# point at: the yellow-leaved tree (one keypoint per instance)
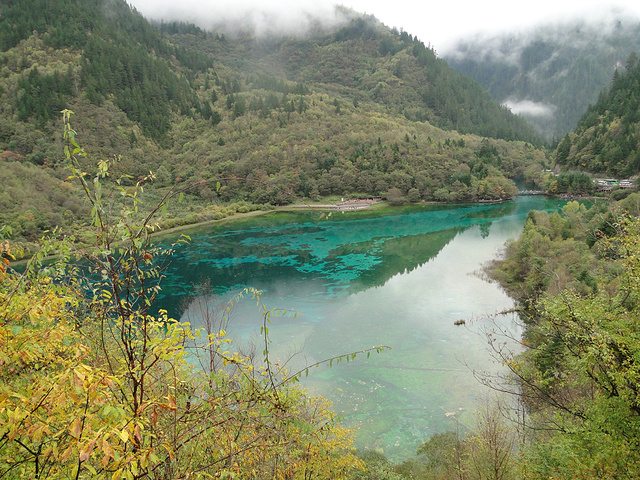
(95, 384)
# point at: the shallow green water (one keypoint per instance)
(360, 280)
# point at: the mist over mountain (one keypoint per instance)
(348, 110)
(552, 73)
(249, 17)
(606, 140)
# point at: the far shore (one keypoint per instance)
(230, 218)
(345, 206)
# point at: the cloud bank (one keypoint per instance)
(440, 24)
(257, 17)
(530, 108)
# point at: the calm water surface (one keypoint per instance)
(360, 280)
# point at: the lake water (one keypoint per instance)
(361, 279)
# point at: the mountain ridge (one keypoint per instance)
(358, 110)
(557, 69)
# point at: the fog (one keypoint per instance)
(440, 24)
(574, 33)
(530, 108)
(231, 17)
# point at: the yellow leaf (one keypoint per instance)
(75, 429)
(65, 455)
(169, 450)
(107, 448)
(154, 417)
(87, 451)
(124, 436)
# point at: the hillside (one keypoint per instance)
(551, 73)
(606, 140)
(354, 110)
(366, 61)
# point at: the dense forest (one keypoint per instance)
(606, 138)
(355, 110)
(549, 74)
(576, 276)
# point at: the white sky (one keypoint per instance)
(435, 22)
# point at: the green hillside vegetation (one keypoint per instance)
(364, 60)
(606, 138)
(96, 383)
(560, 67)
(576, 277)
(98, 388)
(355, 111)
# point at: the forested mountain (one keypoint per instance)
(550, 74)
(355, 109)
(606, 140)
(364, 60)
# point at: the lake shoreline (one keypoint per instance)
(231, 218)
(378, 205)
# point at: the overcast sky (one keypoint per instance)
(435, 22)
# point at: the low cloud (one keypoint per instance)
(530, 109)
(576, 31)
(257, 17)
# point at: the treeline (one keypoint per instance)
(43, 96)
(284, 161)
(606, 139)
(66, 22)
(279, 121)
(122, 56)
(145, 88)
(150, 78)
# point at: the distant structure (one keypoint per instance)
(530, 192)
(609, 184)
(357, 204)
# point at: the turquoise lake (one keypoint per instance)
(358, 280)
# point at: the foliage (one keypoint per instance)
(580, 374)
(190, 106)
(606, 138)
(573, 183)
(95, 384)
(487, 452)
(553, 253)
(577, 274)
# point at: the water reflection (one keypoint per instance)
(347, 253)
(359, 280)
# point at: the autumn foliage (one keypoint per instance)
(96, 384)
